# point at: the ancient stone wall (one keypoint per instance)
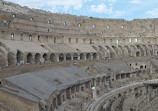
(27, 24)
(113, 52)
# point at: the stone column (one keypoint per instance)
(56, 58)
(94, 93)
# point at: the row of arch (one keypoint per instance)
(100, 81)
(127, 50)
(20, 58)
(105, 51)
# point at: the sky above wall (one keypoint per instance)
(124, 9)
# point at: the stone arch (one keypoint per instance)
(127, 49)
(124, 92)
(116, 50)
(94, 56)
(131, 109)
(135, 89)
(11, 59)
(146, 50)
(61, 57)
(37, 58)
(29, 58)
(150, 49)
(141, 67)
(101, 49)
(124, 52)
(137, 53)
(68, 57)
(119, 95)
(134, 50)
(141, 50)
(96, 48)
(115, 98)
(45, 56)
(88, 56)
(106, 52)
(82, 56)
(19, 57)
(75, 56)
(102, 52)
(112, 53)
(52, 57)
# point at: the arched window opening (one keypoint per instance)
(137, 54)
(141, 67)
(136, 40)
(135, 89)
(13, 15)
(107, 26)
(45, 56)
(30, 37)
(122, 26)
(31, 19)
(130, 40)
(88, 56)
(94, 56)
(64, 23)
(12, 36)
(68, 57)
(61, 57)
(82, 56)
(75, 56)
(29, 58)
(119, 95)
(37, 58)
(38, 38)
(117, 42)
(79, 25)
(19, 58)
(52, 58)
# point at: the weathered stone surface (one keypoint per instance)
(51, 62)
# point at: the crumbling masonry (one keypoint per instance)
(59, 62)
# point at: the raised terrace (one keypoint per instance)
(60, 62)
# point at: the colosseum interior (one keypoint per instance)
(61, 62)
